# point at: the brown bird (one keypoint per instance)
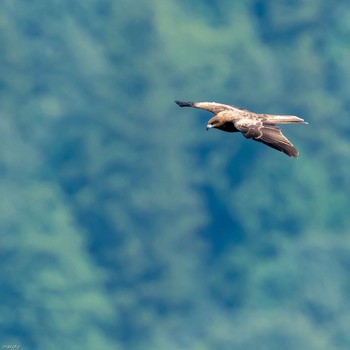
(259, 127)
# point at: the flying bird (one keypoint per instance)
(259, 127)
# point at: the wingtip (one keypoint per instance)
(184, 104)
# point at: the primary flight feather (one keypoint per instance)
(259, 127)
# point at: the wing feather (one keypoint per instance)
(212, 107)
(268, 134)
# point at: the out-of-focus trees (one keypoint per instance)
(124, 223)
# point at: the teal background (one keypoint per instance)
(124, 224)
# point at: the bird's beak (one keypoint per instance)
(209, 126)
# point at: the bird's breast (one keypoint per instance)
(228, 127)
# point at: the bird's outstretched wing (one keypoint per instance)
(268, 134)
(212, 107)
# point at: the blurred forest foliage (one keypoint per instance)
(124, 224)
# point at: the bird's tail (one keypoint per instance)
(285, 119)
(184, 104)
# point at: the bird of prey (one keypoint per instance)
(259, 127)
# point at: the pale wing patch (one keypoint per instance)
(215, 107)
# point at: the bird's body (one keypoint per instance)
(259, 127)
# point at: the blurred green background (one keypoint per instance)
(124, 224)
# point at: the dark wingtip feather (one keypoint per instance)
(184, 104)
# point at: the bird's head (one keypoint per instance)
(214, 122)
(221, 122)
